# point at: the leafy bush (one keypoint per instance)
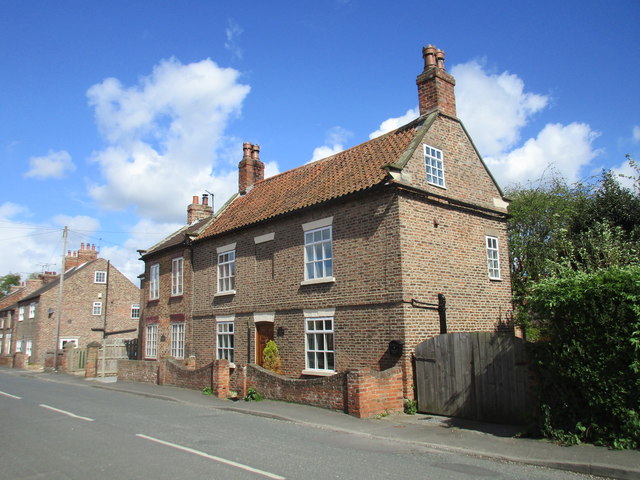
(252, 394)
(589, 365)
(207, 391)
(271, 357)
(410, 406)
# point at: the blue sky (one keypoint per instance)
(115, 113)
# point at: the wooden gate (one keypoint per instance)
(108, 356)
(76, 359)
(480, 376)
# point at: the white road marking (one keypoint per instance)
(66, 413)
(9, 395)
(213, 457)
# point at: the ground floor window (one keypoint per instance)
(28, 347)
(225, 340)
(151, 341)
(177, 340)
(8, 344)
(319, 343)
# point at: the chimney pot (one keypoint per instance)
(194, 200)
(205, 199)
(435, 85)
(82, 246)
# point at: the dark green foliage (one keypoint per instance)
(589, 366)
(7, 281)
(252, 394)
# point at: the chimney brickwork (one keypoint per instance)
(250, 168)
(435, 85)
(199, 211)
(86, 253)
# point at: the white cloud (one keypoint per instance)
(334, 143)
(564, 148)
(636, 133)
(165, 137)
(233, 31)
(627, 175)
(29, 248)
(52, 165)
(396, 122)
(494, 108)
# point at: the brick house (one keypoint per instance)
(9, 309)
(96, 298)
(344, 261)
(166, 294)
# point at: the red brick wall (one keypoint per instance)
(371, 393)
(137, 371)
(162, 309)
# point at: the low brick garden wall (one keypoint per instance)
(361, 393)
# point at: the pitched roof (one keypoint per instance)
(177, 237)
(49, 285)
(356, 169)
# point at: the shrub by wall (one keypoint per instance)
(589, 366)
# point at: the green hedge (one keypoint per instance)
(589, 363)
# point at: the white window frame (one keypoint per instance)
(100, 276)
(21, 313)
(177, 271)
(154, 281)
(151, 341)
(226, 269)
(29, 347)
(493, 257)
(32, 310)
(225, 331)
(65, 340)
(177, 339)
(318, 251)
(434, 166)
(8, 343)
(18, 346)
(319, 342)
(135, 310)
(97, 308)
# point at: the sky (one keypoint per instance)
(114, 114)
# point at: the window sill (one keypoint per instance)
(316, 281)
(443, 187)
(222, 294)
(177, 295)
(495, 279)
(319, 373)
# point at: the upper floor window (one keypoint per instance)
(32, 310)
(434, 166)
(176, 276)
(318, 253)
(227, 269)
(21, 314)
(493, 257)
(154, 281)
(97, 308)
(135, 310)
(100, 277)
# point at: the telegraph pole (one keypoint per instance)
(60, 292)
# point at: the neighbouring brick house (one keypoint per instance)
(9, 310)
(95, 296)
(341, 261)
(166, 293)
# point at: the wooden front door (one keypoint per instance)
(264, 333)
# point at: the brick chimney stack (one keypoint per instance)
(250, 168)
(86, 253)
(435, 85)
(199, 211)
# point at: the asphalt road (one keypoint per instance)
(57, 430)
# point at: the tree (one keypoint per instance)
(7, 281)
